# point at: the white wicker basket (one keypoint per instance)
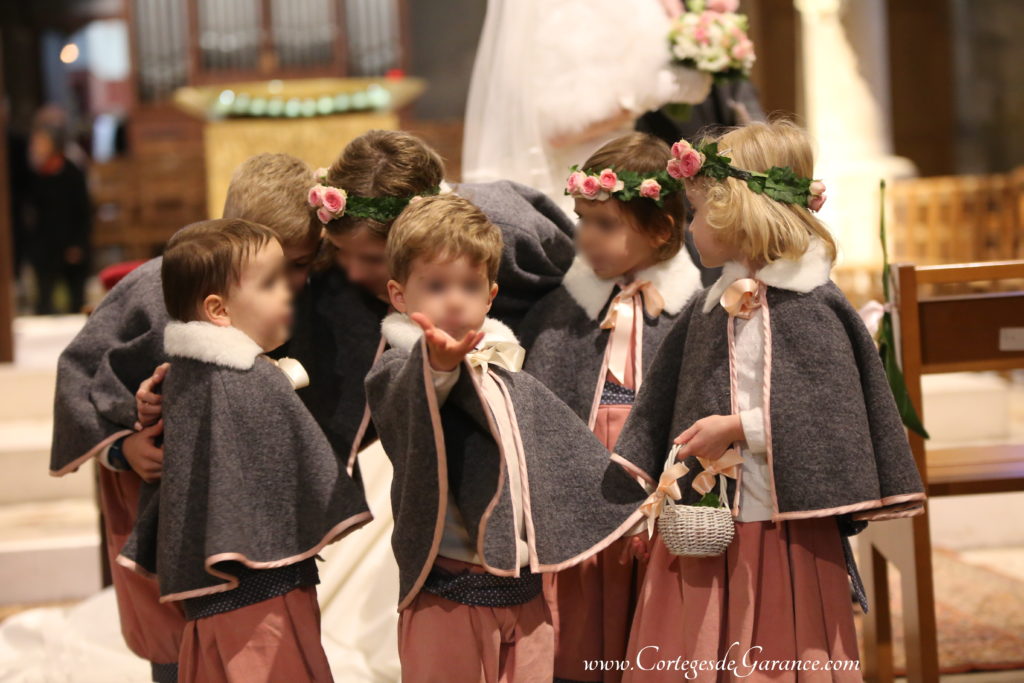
(694, 531)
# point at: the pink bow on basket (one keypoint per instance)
(668, 487)
(728, 465)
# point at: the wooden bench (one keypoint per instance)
(936, 334)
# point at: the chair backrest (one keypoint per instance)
(979, 330)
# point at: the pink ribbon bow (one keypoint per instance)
(728, 465)
(742, 298)
(668, 487)
(621, 318)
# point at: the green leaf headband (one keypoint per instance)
(780, 183)
(333, 202)
(622, 185)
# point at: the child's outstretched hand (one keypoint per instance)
(445, 353)
(710, 437)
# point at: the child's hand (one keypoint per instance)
(638, 548)
(142, 453)
(147, 400)
(710, 437)
(445, 353)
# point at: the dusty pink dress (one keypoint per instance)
(592, 603)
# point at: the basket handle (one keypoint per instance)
(723, 495)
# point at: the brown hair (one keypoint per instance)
(444, 226)
(271, 189)
(207, 258)
(762, 229)
(383, 163)
(643, 153)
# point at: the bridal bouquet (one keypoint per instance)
(711, 37)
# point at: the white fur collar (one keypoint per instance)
(799, 275)
(677, 279)
(203, 341)
(401, 332)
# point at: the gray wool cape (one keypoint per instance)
(564, 340)
(100, 370)
(248, 476)
(574, 508)
(838, 447)
(337, 329)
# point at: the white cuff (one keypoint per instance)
(443, 382)
(753, 430)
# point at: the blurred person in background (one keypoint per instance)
(56, 214)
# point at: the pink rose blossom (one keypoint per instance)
(675, 168)
(816, 202)
(334, 200)
(651, 189)
(680, 148)
(817, 188)
(590, 187)
(742, 50)
(321, 173)
(691, 162)
(723, 6)
(324, 215)
(608, 179)
(572, 184)
(316, 195)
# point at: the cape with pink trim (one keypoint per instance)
(837, 445)
(572, 509)
(248, 476)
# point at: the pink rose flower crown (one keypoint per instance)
(331, 203)
(780, 183)
(602, 185)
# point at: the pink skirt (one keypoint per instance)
(266, 642)
(781, 589)
(592, 603)
(151, 630)
(441, 641)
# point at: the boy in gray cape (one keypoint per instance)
(496, 481)
(251, 489)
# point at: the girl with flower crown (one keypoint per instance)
(592, 340)
(769, 381)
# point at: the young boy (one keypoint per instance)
(496, 481)
(120, 344)
(251, 489)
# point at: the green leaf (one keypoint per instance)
(709, 500)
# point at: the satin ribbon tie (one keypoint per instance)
(505, 354)
(621, 318)
(742, 298)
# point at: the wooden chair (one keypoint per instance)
(967, 332)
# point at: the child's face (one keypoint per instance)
(455, 294)
(609, 242)
(260, 304)
(712, 252)
(300, 258)
(360, 253)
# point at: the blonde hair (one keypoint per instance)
(643, 153)
(444, 226)
(206, 258)
(383, 163)
(271, 189)
(762, 229)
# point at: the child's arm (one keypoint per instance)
(444, 352)
(148, 398)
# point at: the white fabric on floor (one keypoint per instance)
(358, 595)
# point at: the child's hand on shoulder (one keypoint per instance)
(147, 401)
(444, 352)
(710, 437)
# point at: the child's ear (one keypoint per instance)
(396, 294)
(214, 309)
(491, 294)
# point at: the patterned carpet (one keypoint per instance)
(980, 614)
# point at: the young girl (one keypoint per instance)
(591, 341)
(791, 401)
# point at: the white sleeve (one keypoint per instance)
(443, 383)
(753, 429)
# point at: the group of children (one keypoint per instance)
(527, 379)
